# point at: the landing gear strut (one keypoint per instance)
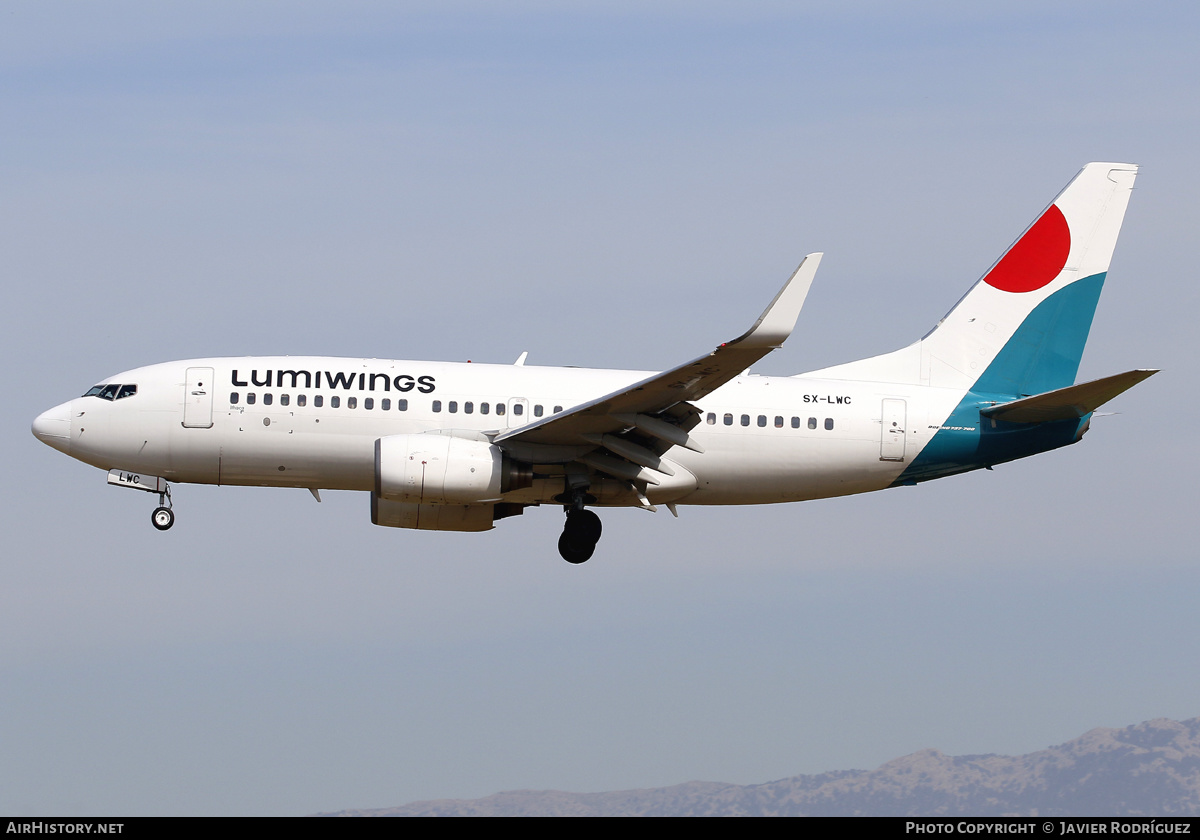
(581, 533)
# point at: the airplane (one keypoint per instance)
(460, 446)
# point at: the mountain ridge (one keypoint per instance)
(1148, 769)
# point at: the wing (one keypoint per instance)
(639, 423)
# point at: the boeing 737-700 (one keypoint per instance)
(460, 446)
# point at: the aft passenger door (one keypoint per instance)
(892, 434)
(198, 399)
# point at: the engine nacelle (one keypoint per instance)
(432, 517)
(444, 470)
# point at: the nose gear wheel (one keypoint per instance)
(162, 518)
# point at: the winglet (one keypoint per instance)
(779, 319)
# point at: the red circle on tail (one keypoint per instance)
(1036, 258)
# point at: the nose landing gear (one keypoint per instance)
(163, 517)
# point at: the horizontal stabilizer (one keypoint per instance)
(1067, 403)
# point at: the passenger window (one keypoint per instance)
(284, 399)
(712, 419)
(301, 400)
(468, 408)
(728, 419)
(454, 406)
(745, 419)
(518, 409)
(318, 401)
(437, 406)
(812, 422)
(762, 421)
(795, 422)
(557, 409)
(402, 405)
(499, 408)
(368, 403)
(233, 398)
(250, 398)
(537, 411)
(483, 408)
(778, 422)
(335, 402)
(267, 399)
(385, 405)
(351, 402)
(829, 424)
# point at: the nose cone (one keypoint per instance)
(53, 427)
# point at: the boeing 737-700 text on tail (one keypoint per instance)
(457, 447)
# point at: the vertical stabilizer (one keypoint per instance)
(1022, 327)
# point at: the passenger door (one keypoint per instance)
(198, 399)
(892, 434)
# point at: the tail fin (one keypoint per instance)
(1021, 328)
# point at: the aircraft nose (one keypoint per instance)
(53, 427)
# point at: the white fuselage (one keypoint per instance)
(232, 421)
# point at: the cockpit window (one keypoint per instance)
(111, 392)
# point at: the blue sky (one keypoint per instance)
(603, 185)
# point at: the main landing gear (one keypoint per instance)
(579, 537)
(583, 527)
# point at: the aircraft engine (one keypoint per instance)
(444, 470)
